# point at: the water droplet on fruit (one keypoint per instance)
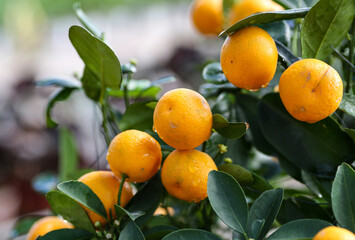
(265, 85)
(154, 130)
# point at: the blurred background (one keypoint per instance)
(34, 46)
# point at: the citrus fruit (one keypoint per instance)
(185, 173)
(46, 225)
(136, 154)
(332, 232)
(249, 58)
(244, 8)
(106, 186)
(207, 16)
(310, 90)
(183, 119)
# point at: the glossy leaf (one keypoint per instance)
(231, 130)
(280, 31)
(256, 228)
(343, 197)
(137, 89)
(320, 187)
(84, 195)
(239, 173)
(228, 200)
(68, 159)
(70, 210)
(131, 231)
(97, 56)
(264, 208)
(57, 96)
(158, 232)
(351, 133)
(213, 73)
(191, 234)
(138, 116)
(266, 17)
(326, 25)
(59, 82)
(317, 148)
(68, 234)
(258, 186)
(91, 84)
(87, 22)
(121, 212)
(286, 54)
(304, 229)
(347, 104)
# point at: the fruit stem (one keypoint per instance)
(123, 179)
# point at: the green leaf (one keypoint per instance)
(191, 234)
(256, 228)
(212, 73)
(279, 31)
(228, 200)
(326, 25)
(138, 116)
(264, 208)
(137, 89)
(99, 59)
(91, 84)
(83, 194)
(316, 148)
(67, 234)
(22, 226)
(286, 54)
(231, 130)
(347, 104)
(227, 6)
(351, 133)
(304, 229)
(131, 231)
(87, 22)
(158, 232)
(259, 186)
(70, 210)
(239, 173)
(68, 159)
(266, 17)
(64, 83)
(343, 197)
(320, 187)
(57, 96)
(121, 212)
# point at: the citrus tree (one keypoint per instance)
(278, 108)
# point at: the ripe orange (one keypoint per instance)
(310, 90)
(183, 119)
(244, 8)
(185, 173)
(46, 225)
(106, 186)
(331, 233)
(207, 16)
(136, 154)
(249, 58)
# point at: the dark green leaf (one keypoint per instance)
(65, 83)
(347, 104)
(259, 186)
(304, 229)
(158, 232)
(326, 25)
(264, 208)
(239, 173)
(58, 95)
(68, 159)
(213, 73)
(321, 187)
(256, 228)
(232, 130)
(285, 54)
(343, 197)
(279, 31)
(121, 212)
(67, 234)
(138, 116)
(316, 148)
(87, 22)
(191, 234)
(132, 232)
(22, 226)
(351, 133)
(98, 57)
(70, 210)
(91, 84)
(266, 17)
(289, 167)
(84, 195)
(228, 200)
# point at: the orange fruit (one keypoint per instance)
(46, 225)
(185, 173)
(244, 8)
(136, 154)
(249, 58)
(310, 90)
(106, 186)
(183, 119)
(207, 16)
(331, 233)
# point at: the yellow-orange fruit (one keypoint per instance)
(332, 233)
(46, 225)
(207, 16)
